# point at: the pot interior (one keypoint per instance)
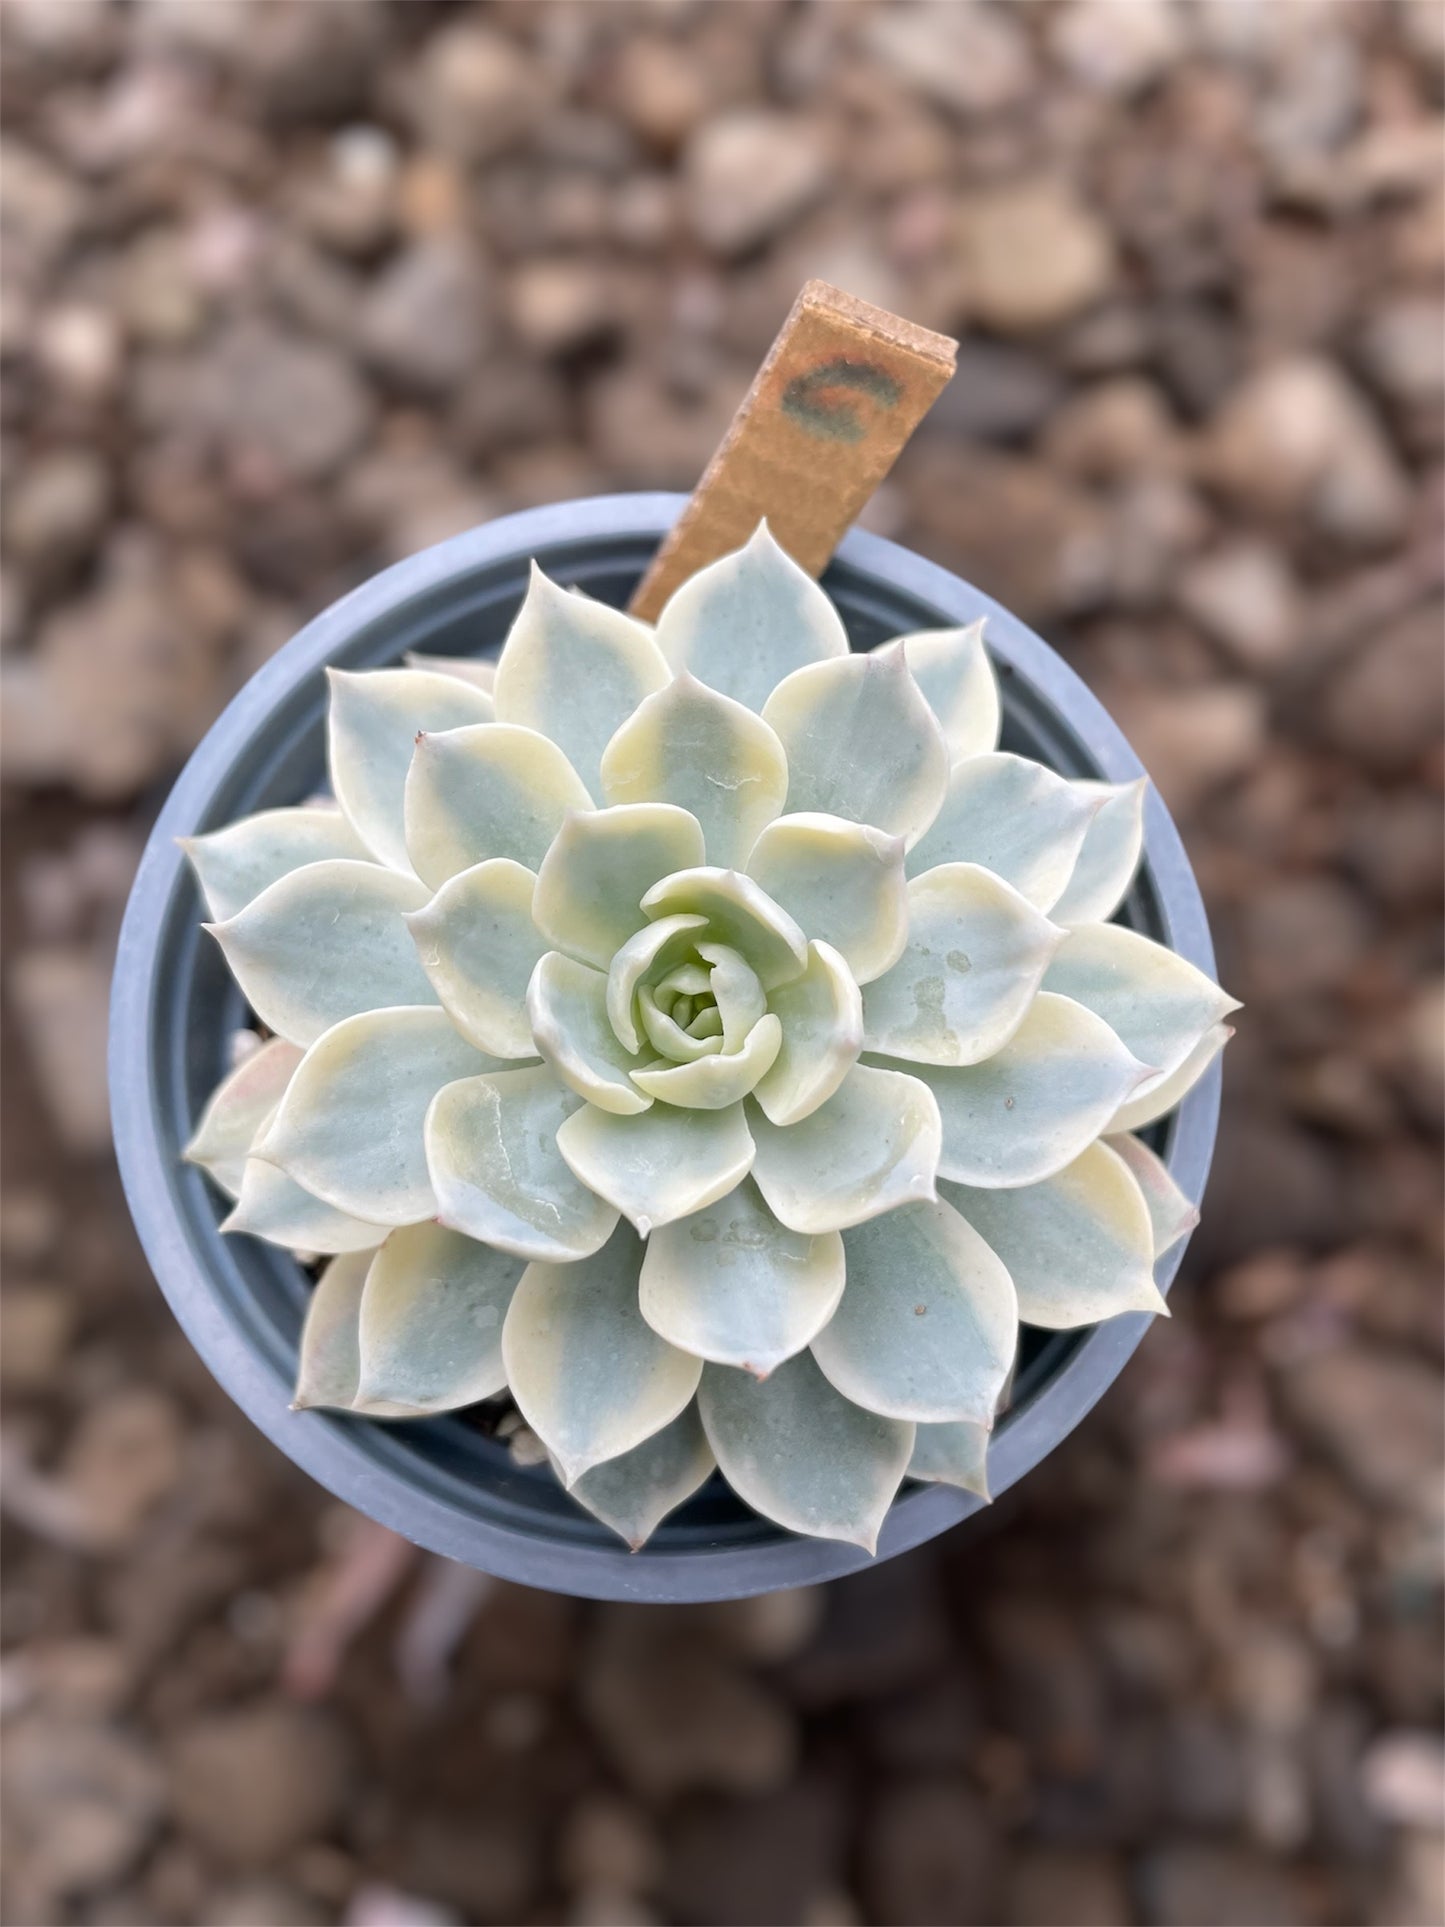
(263, 1289)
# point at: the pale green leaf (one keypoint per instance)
(861, 743)
(712, 1083)
(975, 957)
(1156, 1097)
(1110, 856)
(233, 866)
(372, 726)
(274, 1207)
(661, 1165)
(567, 1010)
(739, 914)
(745, 622)
(872, 1147)
(928, 1325)
(1015, 818)
(593, 879)
(1079, 1247)
(821, 1014)
(955, 1454)
(800, 1453)
(648, 954)
(330, 1362)
(492, 791)
(479, 671)
(589, 1374)
(235, 1111)
(491, 1145)
(479, 946)
(575, 670)
(737, 991)
(842, 882)
(1170, 1212)
(634, 1493)
(1160, 1005)
(430, 1334)
(711, 756)
(324, 943)
(952, 668)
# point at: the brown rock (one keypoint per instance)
(928, 1857)
(84, 1801)
(750, 173)
(1118, 50)
(296, 404)
(1193, 740)
(1031, 255)
(474, 92)
(972, 58)
(60, 994)
(1113, 431)
(1245, 598)
(57, 510)
(256, 1783)
(558, 305)
(124, 1458)
(426, 320)
(1052, 1884)
(36, 1322)
(1185, 1883)
(608, 1846)
(1386, 707)
(660, 88)
(754, 1863)
(1376, 1413)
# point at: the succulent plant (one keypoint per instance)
(707, 1035)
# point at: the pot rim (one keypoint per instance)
(326, 1445)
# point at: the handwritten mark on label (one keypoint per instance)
(819, 403)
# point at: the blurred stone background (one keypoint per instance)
(291, 289)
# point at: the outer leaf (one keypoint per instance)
(821, 1014)
(1110, 856)
(844, 884)
(350, 1125)
(801, 1454)
(1015, 818)
(1079, 1247)
(662, 1165)
(274, 1207)
(567, 1010)
(976, 954)
(954, 1454)
(952, 668)
(372, 725)
(690, 746)
(745, 622)
(431, 1320)
(634, 1493)
(872, 1147)
(739, 914)
(1170, 1212)
(595, 875)
(491, 1146)
(1033, 1106)
(479, 671)
(479, 946)
(1159, 1003)
(330, 1361)
(861, 743)
(589, 1374)
(713, 1083)
(237, 1108)
(733, 1285)
(324, 943)
(487, 792)
(928, 1326)
(1158, 1096)
(575, 670)
(234, 865)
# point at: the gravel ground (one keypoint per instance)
(293, 289)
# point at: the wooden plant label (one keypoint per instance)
(843, 387)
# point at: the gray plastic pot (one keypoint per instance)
(441, 1482)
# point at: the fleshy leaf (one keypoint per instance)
(661, 1165)
(711, 756)
(324, 943)
(1170, 1212)
(653, 947)
(330, 1361)
(739, 914)
(233, 866)
(1113, 845)
(487, 792)
(372, 727)
(733, 1285)
(928, 1326)
(567, 1009)
(479, 671)
(1079, 1247)
(479, 946)
(1157, 1097)
(844, 884)
(872, 1147)
(861, 743)
(1015, 818)
(737, 990)
(634, 1492)
(975, 957)
(955, 1454)
(431, 1320)
(952, 668)
(1033, 1106)
(350, 1125)
(801, 1454)
(745, 622)
(712, 1083)
(821, 1014)
(594, 877)
(1157, 1002)
(237, 1108)
(491, 1146)
(589, 1374)
(274, 1207)
(575, 670)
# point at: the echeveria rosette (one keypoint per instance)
(708, 1035)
